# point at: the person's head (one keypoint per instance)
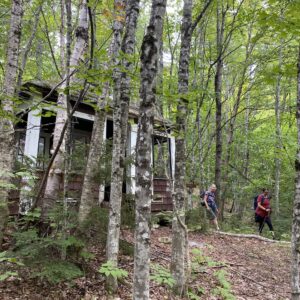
(213, 188)
(265, 192)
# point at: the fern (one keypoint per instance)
(224, 290)
(162, 276)
(109, 269)
(58, 271)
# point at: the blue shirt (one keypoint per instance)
(210, 198)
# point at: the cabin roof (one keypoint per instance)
(44, 88)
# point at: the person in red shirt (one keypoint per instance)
(263, 211)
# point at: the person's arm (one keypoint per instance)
(205, 201)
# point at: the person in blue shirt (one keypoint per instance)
(211, 206)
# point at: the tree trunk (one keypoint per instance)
(96, 151)
(56, 172)
(112, 243)
(62, 42)
(296, 211)
(6, 123)
(278, 146)
(120, 119)
(87, 200)
(39, 59)
(28, 45)
(218, 98)
(149, 67)
(178, 232)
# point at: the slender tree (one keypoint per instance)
(28, 46)
(179, 231)
(7, 108)
(296, 211)
(278, 143)
(218, 98)
(120, 119)
(143, 195)
(56, 172)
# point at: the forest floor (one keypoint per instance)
(252, 269)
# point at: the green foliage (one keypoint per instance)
(7, 265)
(201, 262)
(224, 290)
(196, 218)
(162, 276)
(109, 269)
(8, 274)
(56, 271)
(56, 256)
(94, 229)
(195, 294)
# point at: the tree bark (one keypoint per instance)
(62, 41)
(7, 106)
(97, 148)
(87, 200)
(149, 67)
(112, 243)
(178, 233)
(296, 210)
(28, 45)
(120, 119)
(278, 145)
(218, 99)
(56, 172)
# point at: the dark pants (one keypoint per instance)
(261, 221)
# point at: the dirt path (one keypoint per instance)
(257, 269)
(254, 269)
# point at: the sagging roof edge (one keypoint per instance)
(42, 87)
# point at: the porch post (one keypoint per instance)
(31, 151)
(131, 151)
(32, 134)
(172, 152)
(102, 186)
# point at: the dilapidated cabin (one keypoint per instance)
(34, 138)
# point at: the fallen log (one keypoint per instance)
(251, 236)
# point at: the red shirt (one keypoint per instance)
(266, 204)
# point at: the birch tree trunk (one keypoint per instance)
(278, 146)
(120, 119)
(94, 162)
(179, 231)
(94, 159)
(112, 243)
(7, 107)
(55, 177)
(39, 59)
(296, 211)
(62, 41)
(149, 67)
(28, 45)
(218, 98)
